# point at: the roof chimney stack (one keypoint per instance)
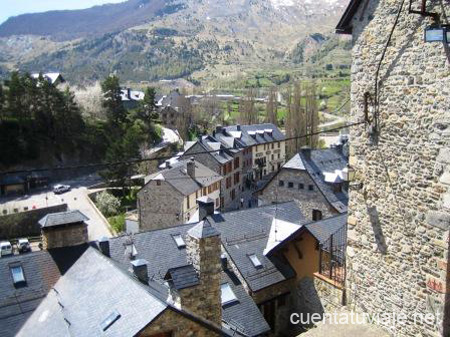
(103, 244)
(140, 270)
(238, 127)
(190, 168)
(205, 207)
(306, 151)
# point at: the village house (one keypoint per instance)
(284, 262)
(169, 196)
(264, 144)
(315, 179)
(399, 210)
(226, 161)
(52, 78)
(232, 274)
(131, 98)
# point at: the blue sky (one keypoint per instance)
(17, 7)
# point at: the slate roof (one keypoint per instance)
(183, 277)
(177, 177)
(260, 138)
(159, 248)
(87, 294)
(208, 143)
(42, 270)
(323, 229)
(246, 232)
(243, 316)
(344, 26)
(322, 161)
(62, 218)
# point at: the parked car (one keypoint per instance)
(59, 189)
(23, 245)
(5, 248)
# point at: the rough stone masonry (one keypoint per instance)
(399, 218)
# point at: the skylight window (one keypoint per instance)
(228, 295)
(110, 320)
(255, 261)
(179, 241)
(17, 274)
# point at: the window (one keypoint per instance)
(255, 261)
(188, 198)
(273, 145)
(110, 320)
(227, 294)
(311, 187)
(290, 184)
(272, 156)
(17, 274)
(204, 190)
(236, 163)
(281, 183)
(278, 144)
(278, 156)
(179, 240)
(158, 183)
(301, 186)
(236, 178)
(316, 215)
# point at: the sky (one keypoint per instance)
(17, 7)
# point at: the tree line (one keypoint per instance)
(42, 124)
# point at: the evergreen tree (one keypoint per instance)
(147, 110)
(112, 101)
(2, 104)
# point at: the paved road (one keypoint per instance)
(77, 198)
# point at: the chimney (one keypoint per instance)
(306, 151)
(203, 250)
(190, 168)
(103, 244)
(129, 93)
(140, 270)
(64, 229)
(224, 261)
(205, 207)
(219, 129)
(238, 127)
(168, 166)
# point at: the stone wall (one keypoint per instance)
(64, 236)
(159, 206)
(25, 224)
(399, 219)
(306, 199)
(204, 254)
(180, 326)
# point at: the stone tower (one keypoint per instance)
(203, 248)
(399, 202)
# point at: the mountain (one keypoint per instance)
(145, 40)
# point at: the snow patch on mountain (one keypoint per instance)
(278, 4)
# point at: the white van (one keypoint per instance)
(5, 248)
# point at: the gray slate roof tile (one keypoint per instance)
(62, 218)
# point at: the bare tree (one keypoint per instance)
(271, 107)
(247, 110)
(90, 99)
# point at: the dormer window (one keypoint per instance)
(17, 275)
(179, 241)
(227, 294)
(256, 263)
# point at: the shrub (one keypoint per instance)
(108, 204)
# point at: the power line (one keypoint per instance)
(138, 161)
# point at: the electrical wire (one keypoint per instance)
(138, 161)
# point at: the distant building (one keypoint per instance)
(131, 98)
(264, 144)
(225, 161)
(169, 197)
(52, 78)
(315, 179)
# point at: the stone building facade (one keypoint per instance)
(285, 187)
(169, 197)
(399, 203)
(227, 163)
